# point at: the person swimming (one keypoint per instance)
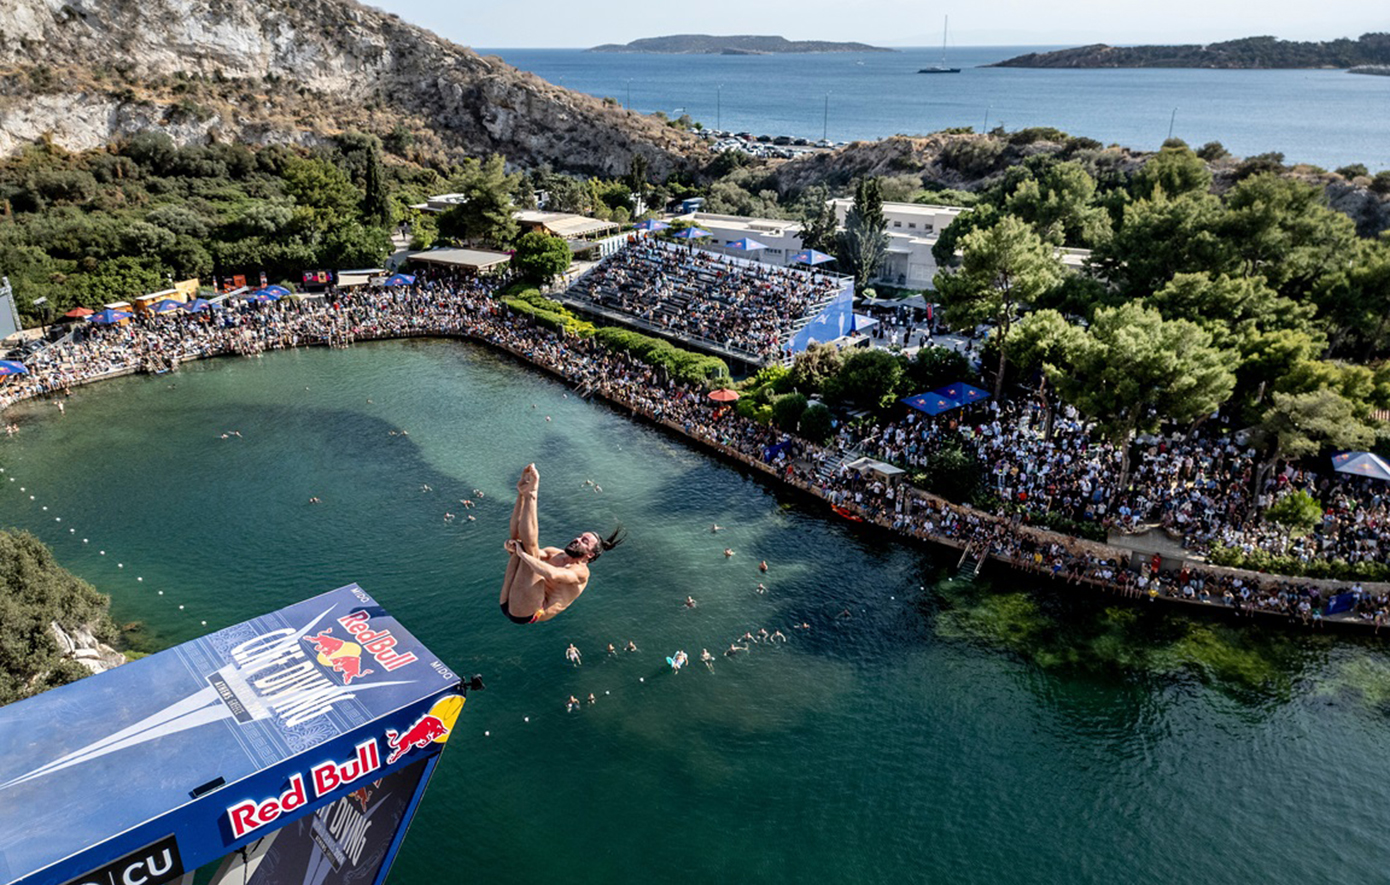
(677, 661)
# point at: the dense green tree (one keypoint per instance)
(1134, 370)
(787, 410)
(1298, 513)
(819, 223)
(1354, 299)
(814, 365)
(1229, 307)
(948, 243)
(1282, 230)
(1160, 237)
(1003, 268)
(817, 424)
(1040, 339)
(35, 592)
(485, 215)
(870, 377)
(864, 240)
(1173, 171)
(540, 257)
(1301, 424)
(934, 367)
(322, 188)
(1059, 204)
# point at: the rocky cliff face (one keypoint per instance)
(86, 71)
(81, 646)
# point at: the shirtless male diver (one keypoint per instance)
(540, 581)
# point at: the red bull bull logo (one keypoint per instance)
(344, 656)
(426, 730)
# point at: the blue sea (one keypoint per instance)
(1324, 117)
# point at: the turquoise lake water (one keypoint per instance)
(923, 729)
(1329, 118)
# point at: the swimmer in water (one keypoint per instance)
(572, 655)
(707, 658)
(734, 649)
(540, 582)
(631, 646)
(677, 661)
(728, 551)
(689, 602)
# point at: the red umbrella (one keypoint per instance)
(78, 313)
(723, 395)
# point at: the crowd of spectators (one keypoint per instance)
(748, 307)
(1204, 490)
(1067, 471)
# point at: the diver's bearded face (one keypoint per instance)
(577, 549)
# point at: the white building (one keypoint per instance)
(913, 228)
(781, 237)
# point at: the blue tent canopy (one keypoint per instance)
(198, 305)
(747, 244)
(400, 279)
(10, 367)
(277, 291)
(963, 393)
(812, 257)
(262, 296)
(932, 403)
(167, 305)
(690, 233)
(1362, 464)
(651, 224)
(108, 317)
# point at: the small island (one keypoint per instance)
(705, 44)
(1249, 53)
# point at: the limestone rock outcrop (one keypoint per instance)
(85, 71)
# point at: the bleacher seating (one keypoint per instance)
(704, 298)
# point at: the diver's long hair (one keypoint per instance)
(609, 542)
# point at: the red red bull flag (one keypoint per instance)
(298, 717)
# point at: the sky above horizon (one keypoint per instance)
(565, 23)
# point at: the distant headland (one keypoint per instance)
(1249, 53)
(704, 44)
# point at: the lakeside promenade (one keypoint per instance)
(467, 309)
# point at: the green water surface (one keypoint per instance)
(921, 729)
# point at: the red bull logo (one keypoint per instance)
(344, 656)
(380, 644)
(427, 729)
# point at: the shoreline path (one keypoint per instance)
(444, 306)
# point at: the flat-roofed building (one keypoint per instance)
(781, 236)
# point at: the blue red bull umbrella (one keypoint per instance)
(400, 279)
(1365, 464)
(651, 224)
(963, 393)
(168, 305)
(10, 367)
(108, 317)
(747, 244)
(198, 305)
(277, 291)
(690, 233)
(812, 257)
(262, 296)
(931, 403)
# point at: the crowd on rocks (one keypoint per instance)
(749, 307)
(1069, 469)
